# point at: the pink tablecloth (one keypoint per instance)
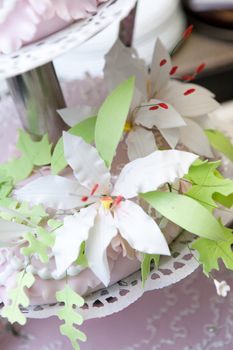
(186, 316)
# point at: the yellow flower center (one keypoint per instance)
(106, 202)
(128, 127)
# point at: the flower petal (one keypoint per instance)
(139, 229)
(70, 236)
(54, 192)
(188, 99)
(140, 143)
(74, 115)
(100, 236)
(147, 174)
(88, 167)
(193, 137)
(161, 117)
(160, 67)
(122, 62)
(11, 231)
(172, 136)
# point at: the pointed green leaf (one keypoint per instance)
(38, 153)
(146, 265)
(84, 129)
(185, 212)
(220, 142)
(211, 251)
(111, 120)
(70, 316)
(207, 182)
(18, 298)
(19, 169)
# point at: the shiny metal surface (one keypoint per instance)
(37, 96)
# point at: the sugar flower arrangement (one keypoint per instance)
(71, 206)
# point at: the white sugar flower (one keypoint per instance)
(222, 288)
(178, 110)
(104, 202)
(172, 106)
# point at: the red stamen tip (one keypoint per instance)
(153, 108)
(84, 198)
(173, 70)
(163, 105)
(200, 68)
(189, 91)
(118, 200)
(94, 189)
(187, 32)
(188, 77)
(163, 62)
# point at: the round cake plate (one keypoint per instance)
(45, 50)
(126, 291)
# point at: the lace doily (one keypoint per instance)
(47, 49)
(120, 295)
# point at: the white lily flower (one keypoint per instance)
(107, 209)
(222, 288)
(176, 109)
(170, 105)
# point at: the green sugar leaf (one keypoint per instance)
(18, 169)
(207, 183)
(18, 298)
(34, 214)
(146, 265)
(111, 120)
(38, 153)
(84, 129)
(6, 185)
(38, 244)
(82, 259)
(54, 224)
(211, 251)
(70, 315)
(220, 142)
(185, 212)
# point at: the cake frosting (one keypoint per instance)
(35, 20)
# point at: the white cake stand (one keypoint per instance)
(31, 76)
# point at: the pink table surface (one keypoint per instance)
(186, 316)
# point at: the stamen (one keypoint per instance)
(128, 127)
(189, 91)
(107, 202)
(94, 189)
(188, 77)
(188, 31)
(200, 68)
(163, 105)
(173, 70)
(153, 108)
(163, 62)
(118, 200)
(84, 199)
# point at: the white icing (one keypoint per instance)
(45, 273)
